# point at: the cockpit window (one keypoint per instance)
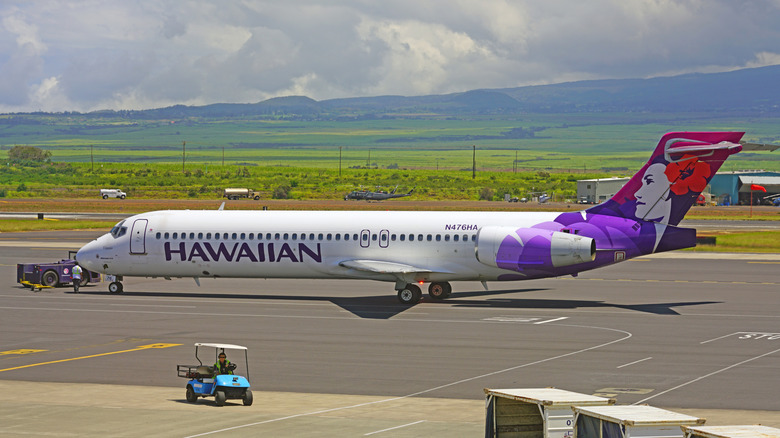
(119, 230)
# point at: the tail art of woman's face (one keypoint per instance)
(652, 199)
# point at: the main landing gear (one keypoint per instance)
(411, 293)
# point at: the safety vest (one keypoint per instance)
(222, 370)
(76, 272)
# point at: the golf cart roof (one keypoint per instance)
(230, 346)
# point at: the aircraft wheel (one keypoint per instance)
(219, 398)
(248, 399)
(105, 196)
(50, 278)
(84, 281)
(410, 294)
(191, 396)
(115, 287)
(439, 291)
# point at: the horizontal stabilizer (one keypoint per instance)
(382, 267)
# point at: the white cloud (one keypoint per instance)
(90, 54)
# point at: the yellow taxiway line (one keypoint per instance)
(139, 348)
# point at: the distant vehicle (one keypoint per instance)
(375, 196)
(701, 200)
(544, 198)
(513, 199)
(234, 194)
(112, 193)
(524, 200)
(202, 381)
(40, 275)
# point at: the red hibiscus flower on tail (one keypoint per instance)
(688, 174)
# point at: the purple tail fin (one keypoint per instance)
(680, 168)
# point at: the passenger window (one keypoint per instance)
(465, 237)
(267, 236)
(346, 236)
(158, 235)
(438, 237)
(319, 236)
(277, 236)
(373, 237)
(365, 237)
(166, 235)
(330, 236)
(383, 237)
(354, 236)
(225, 236)
(295, 236)
(430, 238)
(243, 236)
(303, 236)
(251, 236)
(473, 237)
(392, 237)
(208, 236)
(234, 236)
(192, 236)
(200, 236)
(216, 236)
(286, 236)
(338, 236)
(311, 236)
(446, 237)
(456, 237)
(175, 236)
(419, 237)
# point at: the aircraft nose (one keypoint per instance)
(86, 255)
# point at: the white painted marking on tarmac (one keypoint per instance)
(707, 375)
(152, 305)
(416, 394)
(635, 362)
(394, 428)
(718, 338)
(552, 320)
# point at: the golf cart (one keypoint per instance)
(202, 381)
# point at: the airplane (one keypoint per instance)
(375, 196)
(412, 248)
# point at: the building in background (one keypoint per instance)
(596, 191)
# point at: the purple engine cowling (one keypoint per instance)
(518, 249)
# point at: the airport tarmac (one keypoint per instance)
(693, 333)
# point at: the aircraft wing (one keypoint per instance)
(383, 267)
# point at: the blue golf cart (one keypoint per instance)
(204, 382)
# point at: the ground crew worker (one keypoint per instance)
(75, 275)
(223, 366)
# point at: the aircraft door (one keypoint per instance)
(138, 237)
(384, 238)
(365, 238)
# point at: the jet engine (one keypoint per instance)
(518, 249)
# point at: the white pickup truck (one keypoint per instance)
(112, 193)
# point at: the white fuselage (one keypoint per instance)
(300, 244)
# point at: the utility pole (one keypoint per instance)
(368, 162)
(182, 154)
(474, 163)
(223, 156)
(514, 168)
(339, 162)
(92, 158)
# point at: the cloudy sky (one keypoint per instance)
(82, 55)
